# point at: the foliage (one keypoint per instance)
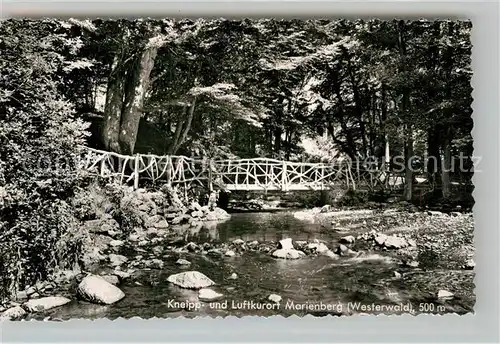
(39, 136)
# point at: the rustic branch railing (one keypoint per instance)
(242, 174)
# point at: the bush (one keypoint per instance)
(39, 139)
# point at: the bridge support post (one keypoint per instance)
(169, 170)
(136, 172)
(284, 186)
(210, 183)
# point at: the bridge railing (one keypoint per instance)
(241, 174)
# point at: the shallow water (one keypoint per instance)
(334, 286)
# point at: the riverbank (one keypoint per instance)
(375, 254)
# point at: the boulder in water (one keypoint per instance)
(332, 255)
(12, 313)
(395, 242)
(233, 276)
(275, 298)
(325, 209)
(45, 303)
(286, 244)
(96, 289)
(230, 253)
(190, 280)
(181, 261)
(348, 239)
(318, 247)
(288, 254)
(380, 239)
(445, 295)
(207, 294)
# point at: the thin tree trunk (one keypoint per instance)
(187, 127)
(408, 190)
(178, 131)
(134, 99)
(110, 132)
(445, 175)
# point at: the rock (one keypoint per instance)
(111, 279)
(96, 289)
(445, 295)
(341, 250)
(191, 247)
(45, 303)
(154, 264)
(380, 239)
(348, 239)
(412, 243)
(233, 276)
(195, 206)
(397, 274)
(190, 280)
(133, 237)
(230, 253)
(288, 254)
(469, 264)
(157, 250)
(395, 242)
(275, 298)
(325, 208)
(117, 259)
(285, 244)
(412, 264)
(177, 220)
(12, 313)
(239, 242)
(182, 262)
(434, 213)
(121, 274)
(318, 247)
(163, 224)
(332, 255)
(116, 243)
(220, 214)
(21, 296)
(207, 294)
(142, 243)
(197, 214)
(101, 226)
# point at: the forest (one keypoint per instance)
(295, 90)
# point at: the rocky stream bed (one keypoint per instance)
(318, 261)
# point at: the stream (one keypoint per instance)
(327, 286)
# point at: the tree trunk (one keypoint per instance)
(447, 166)
(113, 109)
(134, 99)
(434, 157)
(187, 126)
(408, 190)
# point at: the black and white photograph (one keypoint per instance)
(235, 167)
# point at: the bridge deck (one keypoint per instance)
(257, 187)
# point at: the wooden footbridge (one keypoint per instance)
(230, 175)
